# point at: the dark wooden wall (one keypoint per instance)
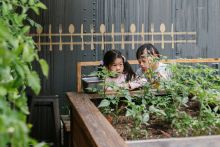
(200, 16)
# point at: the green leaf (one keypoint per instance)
(17, 51)
(128, 97)
(20, 70)
(25, 110)
(31, 2)
(3, 91)
(36, 10)
(44, 67)
(145, 117)
(91, 89)
(23, 1)
(4, 32)
(5, 9)
(129, 112)
(104, 103)
(32, 23)
(28, 53)
(5, 74)
(111, 97)
(18, 19)
(216, 109)
(185, 100)
(42, 144)
(157, 111)
(34, 81)
(25, 29)
(41, 5)
(26, 69)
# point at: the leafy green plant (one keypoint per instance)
(110, 103)
(194, 83)
(189, 102)
(138, 112)
(17, 52)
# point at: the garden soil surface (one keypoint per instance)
(154, 129)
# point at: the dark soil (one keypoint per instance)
(156, 128)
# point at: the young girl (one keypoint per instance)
(148, 57)
(114, 61)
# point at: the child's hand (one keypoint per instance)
(124, 85)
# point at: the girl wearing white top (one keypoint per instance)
(146, 56)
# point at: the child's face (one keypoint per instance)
(117, 66)
(145, 61)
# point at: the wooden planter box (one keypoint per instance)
(89, 128)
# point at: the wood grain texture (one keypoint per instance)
(89, 126)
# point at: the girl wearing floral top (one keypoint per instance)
(115, 62)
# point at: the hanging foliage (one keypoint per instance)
(17, 52)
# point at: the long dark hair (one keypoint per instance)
(109, 58)
(152, 50)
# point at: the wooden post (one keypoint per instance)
(79, 87)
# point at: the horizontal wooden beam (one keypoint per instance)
(202, 60)
(110, 34)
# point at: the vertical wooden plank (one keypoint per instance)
(173, 20)
(179, 26)
(58, 56)
(100, 19)
(72, 15)
(190, 12)
(160, 12)
(202, 26)
(213, 28)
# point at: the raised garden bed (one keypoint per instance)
(185, 105)
(90, 128)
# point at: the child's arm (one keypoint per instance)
(113, 83)
(122, 85)
(137, 83)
